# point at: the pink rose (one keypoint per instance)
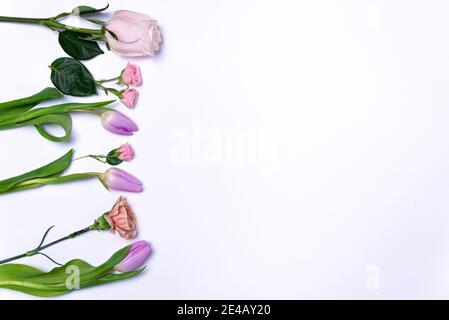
(129, 98)
(131, 75)
(137, 34)
(121, 218)
(126, 152)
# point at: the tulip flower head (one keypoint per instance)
(118, 123)
(137, 254)
(121, 180)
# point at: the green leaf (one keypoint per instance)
(35, 282)
(71, 77)
(83, 10)
(76, 46)
(112, 158)
(63, 120)
(27, 103)
(54, 168)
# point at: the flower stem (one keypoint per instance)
(108, 80)
(52, 24)
(96, 157)
(22, 20)
(40, 248)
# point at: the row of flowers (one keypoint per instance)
(127, 34)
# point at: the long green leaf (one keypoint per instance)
(60, 108)
(54, 168)
(31, 101)
(35, 282)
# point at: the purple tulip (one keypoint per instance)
(121, 180)
(118, 123)
(137, 254)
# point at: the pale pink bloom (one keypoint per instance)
(137, 34)
(131, 75)
(126, 152)
(129, 98)
(121, 218)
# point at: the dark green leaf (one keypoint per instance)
(71, 77)
(112, 158)
(82, 10)
(54, 168)
(77, 47)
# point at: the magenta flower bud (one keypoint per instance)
(137, 254)
(118, 123)
(121, 180)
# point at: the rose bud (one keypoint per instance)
(137, 254)
(118, 123)
(131, 75)
(132, 34)
(117, 156)
(129, 98)
(126, 152)
(121, 180)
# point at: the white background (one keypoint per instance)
(289, 149)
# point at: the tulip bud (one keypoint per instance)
(137, 254)
(118, 123)
(121, 180)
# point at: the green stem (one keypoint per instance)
(96, 157)
(40, 248)
(108, 80)
(22, 20)
(52, 24)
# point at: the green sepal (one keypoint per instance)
(83, 10)
(52, 169)
(102, 223)
(112, 158)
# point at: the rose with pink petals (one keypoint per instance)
(133, 34)
(131, 75)
(129, 98)
(126, 152)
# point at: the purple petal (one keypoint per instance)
(121, 180)
(136, 256)
(118, 123)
